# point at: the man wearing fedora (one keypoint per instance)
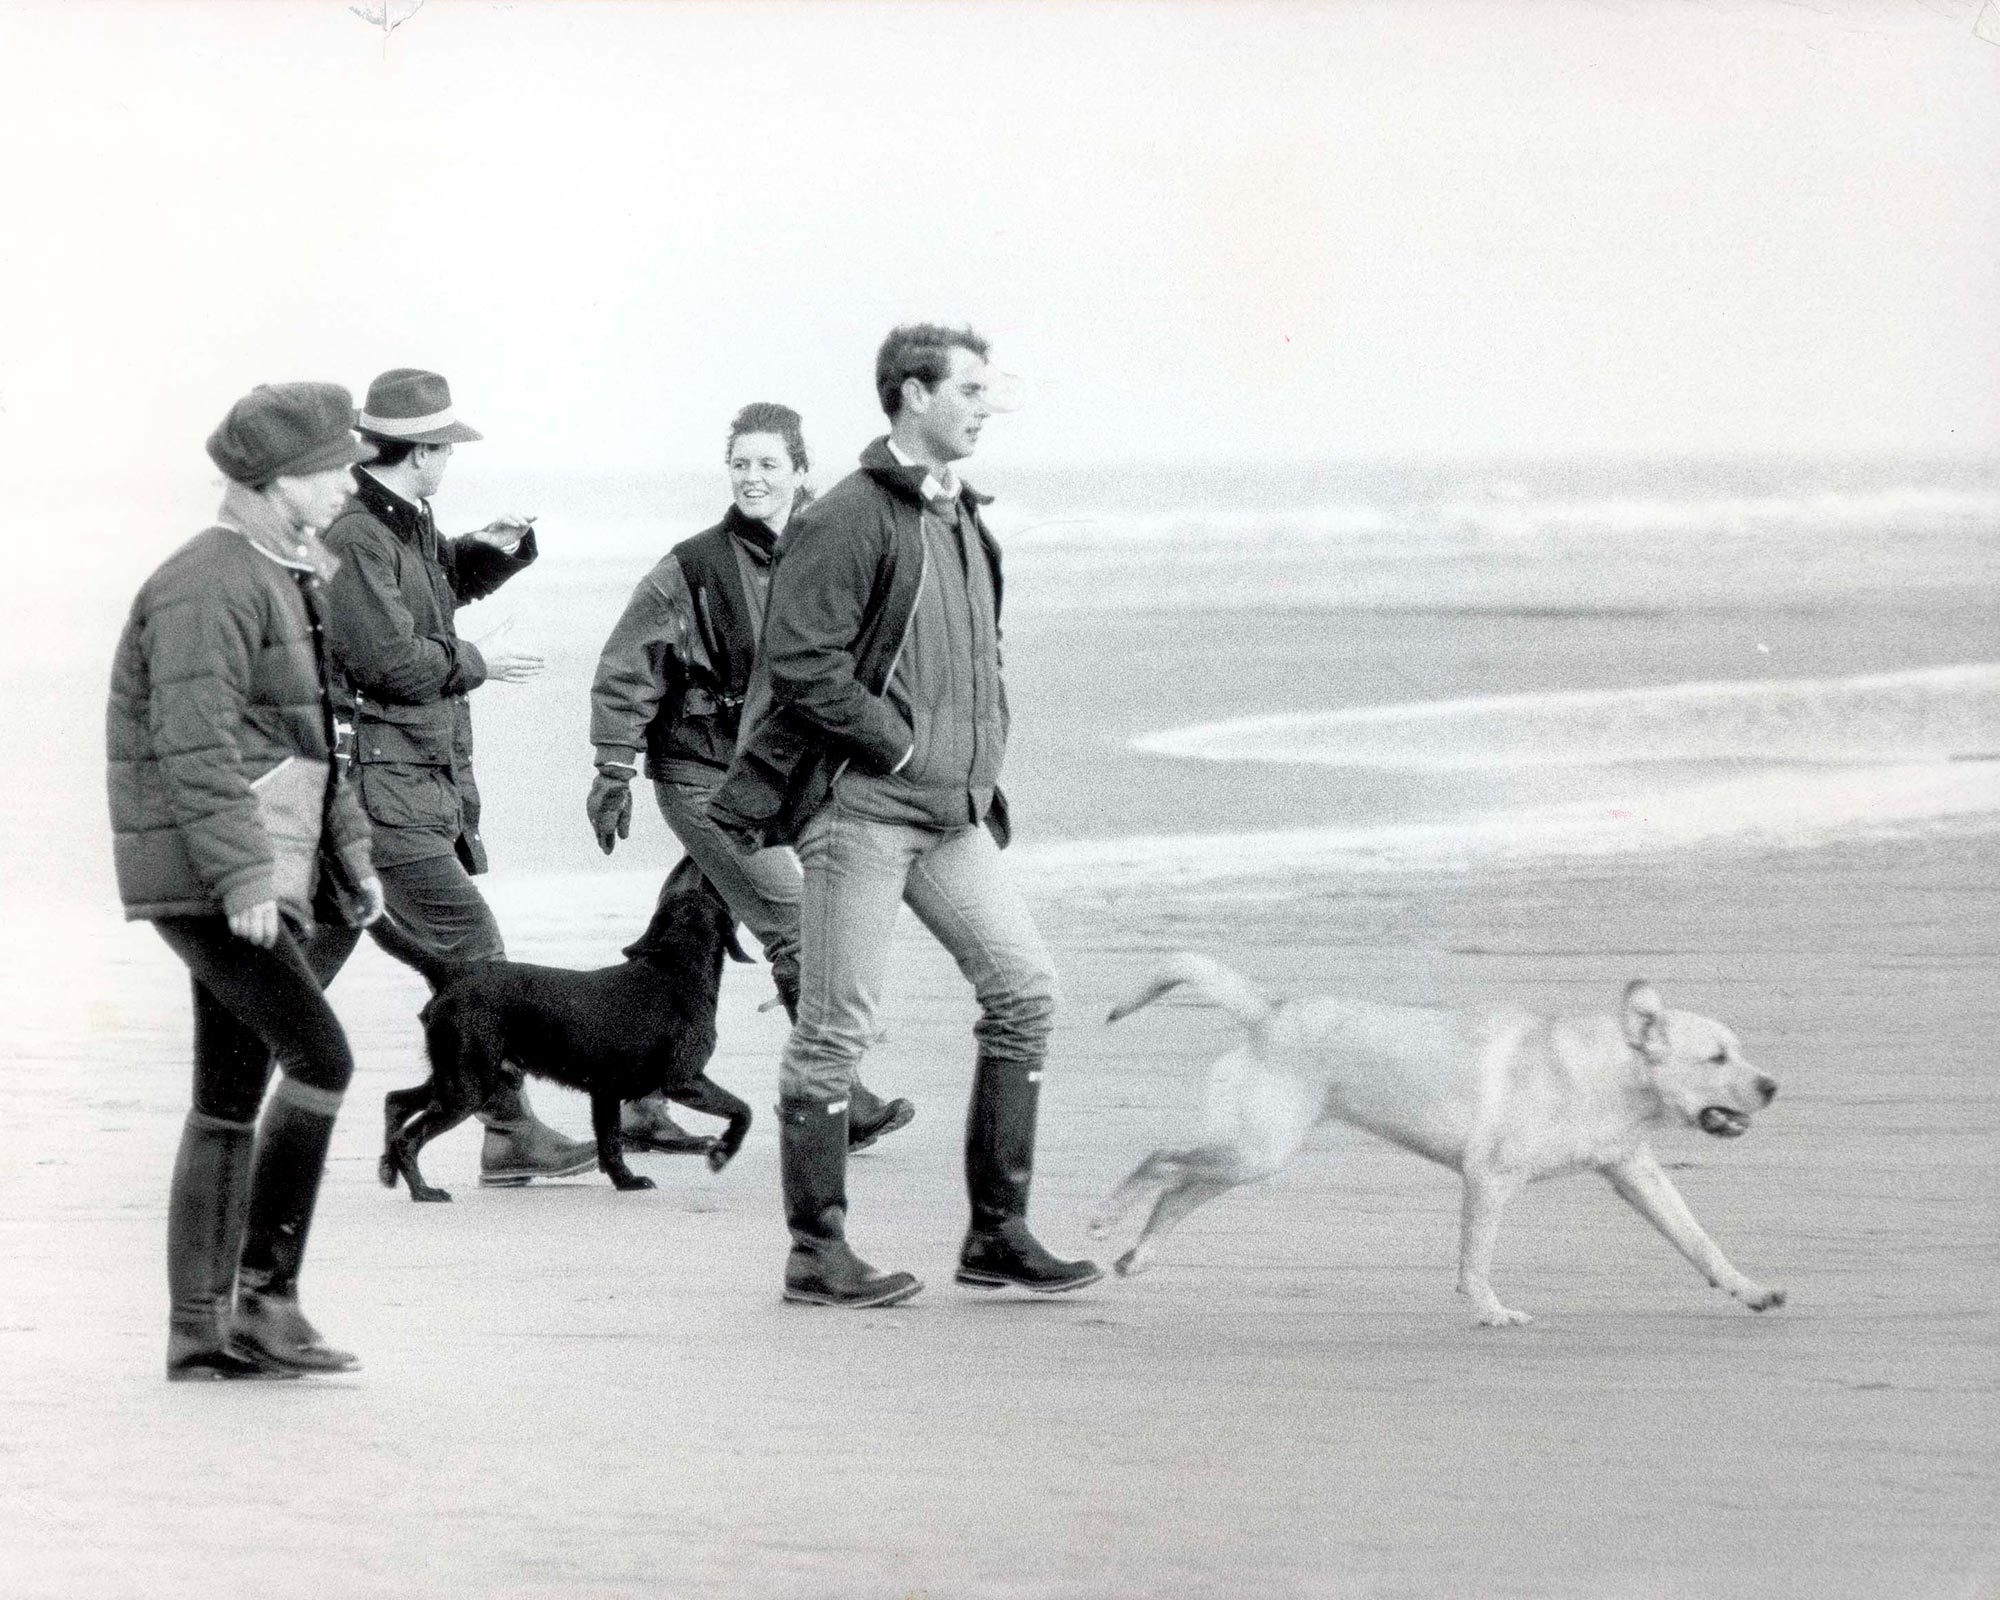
(405, 677)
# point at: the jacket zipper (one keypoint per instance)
(923, 577)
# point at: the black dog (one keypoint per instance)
(616, 1033)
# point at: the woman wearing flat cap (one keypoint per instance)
(236, 838)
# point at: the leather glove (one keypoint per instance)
(610, 810)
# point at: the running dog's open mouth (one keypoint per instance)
(1722, 1122)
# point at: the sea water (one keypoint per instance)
(1406, 663)
(1403, 662)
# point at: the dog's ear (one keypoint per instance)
(1643, 1012)
(654, 938)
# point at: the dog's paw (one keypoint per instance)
(1499, 1316)
(1129, 1263)
(385, 1170)
(1765, 1299)
(718, 1157)
(427, 1194)
(633, 1180)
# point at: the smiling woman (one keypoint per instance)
(670, 683)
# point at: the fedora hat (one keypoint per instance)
(281, 430)
(414, 406)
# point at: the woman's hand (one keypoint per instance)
(258, 924)
(609, 808)
(371, 901)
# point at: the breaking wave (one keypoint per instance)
(1933, 714)
(1786, 764)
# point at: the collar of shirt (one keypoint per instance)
(379, 497)
(933, 487)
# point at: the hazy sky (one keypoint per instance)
(1259, 230)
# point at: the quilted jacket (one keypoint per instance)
(218, 725)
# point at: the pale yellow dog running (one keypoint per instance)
(1501, 1097)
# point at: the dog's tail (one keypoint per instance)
(1211, 980)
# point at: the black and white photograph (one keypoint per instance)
(1000, 799)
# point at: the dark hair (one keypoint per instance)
(920, 350)
(767, 416)
(388, 452)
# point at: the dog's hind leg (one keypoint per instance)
(610, 1150)
(1651, 1193)
(398, 1107)
(1486, 1193)
(1157, 1170)
(1192, 1178)
(404, 1144)
(710, 1098)
(417, 1116)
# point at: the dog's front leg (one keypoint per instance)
(707, 1096)
(610, 1154)
(1651, 1193)
(1485, 1194)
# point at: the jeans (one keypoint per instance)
(761, 890)
(858, 871)
(252, 1006)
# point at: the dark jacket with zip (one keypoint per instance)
(404, 672)
(672, 677)
(842, 601)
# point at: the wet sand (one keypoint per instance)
(569, 1391)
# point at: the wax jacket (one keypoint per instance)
(404, 672)
(842, 597)
(219, 730)
(672, 677)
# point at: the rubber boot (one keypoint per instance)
(519, 1145)
(999, 1252)
(647, 1124)
(284, 1188)
(869, 1116)
(205, 1212)
(812, 1160)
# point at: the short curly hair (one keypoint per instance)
(920, 350)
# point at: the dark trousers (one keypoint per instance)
(256, 1007)
(437, 908)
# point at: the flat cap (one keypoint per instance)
(281, 430)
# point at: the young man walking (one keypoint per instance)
(872, 742)
(405, 674)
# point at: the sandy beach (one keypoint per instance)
(1497, 501)
(574, 1392)
(568, 1391)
